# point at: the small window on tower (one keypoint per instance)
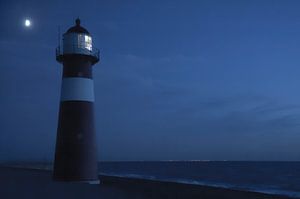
(88, 42)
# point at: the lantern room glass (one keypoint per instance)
(85, 42)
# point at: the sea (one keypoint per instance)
(265, 177)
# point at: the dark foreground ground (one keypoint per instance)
(27, 183)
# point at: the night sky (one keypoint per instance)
(178, 80)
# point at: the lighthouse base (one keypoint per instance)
(75, 154)
(91, 182)
(94, 181)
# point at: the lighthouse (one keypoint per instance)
(75, 151)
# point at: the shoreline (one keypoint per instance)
(281, 193)
(166, 189)
(127, 187)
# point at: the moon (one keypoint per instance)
(27, 23)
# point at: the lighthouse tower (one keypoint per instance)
(75, 153)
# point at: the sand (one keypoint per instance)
(28, 183)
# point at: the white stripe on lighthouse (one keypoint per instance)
(77, 89)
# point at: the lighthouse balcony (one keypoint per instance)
(71, 50)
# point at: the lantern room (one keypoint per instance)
(77, 41)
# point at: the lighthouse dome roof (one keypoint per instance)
(77, 28)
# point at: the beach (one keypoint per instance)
(31, 183)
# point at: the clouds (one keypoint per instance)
(192, 123)
(205, 131)
(195, 80)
